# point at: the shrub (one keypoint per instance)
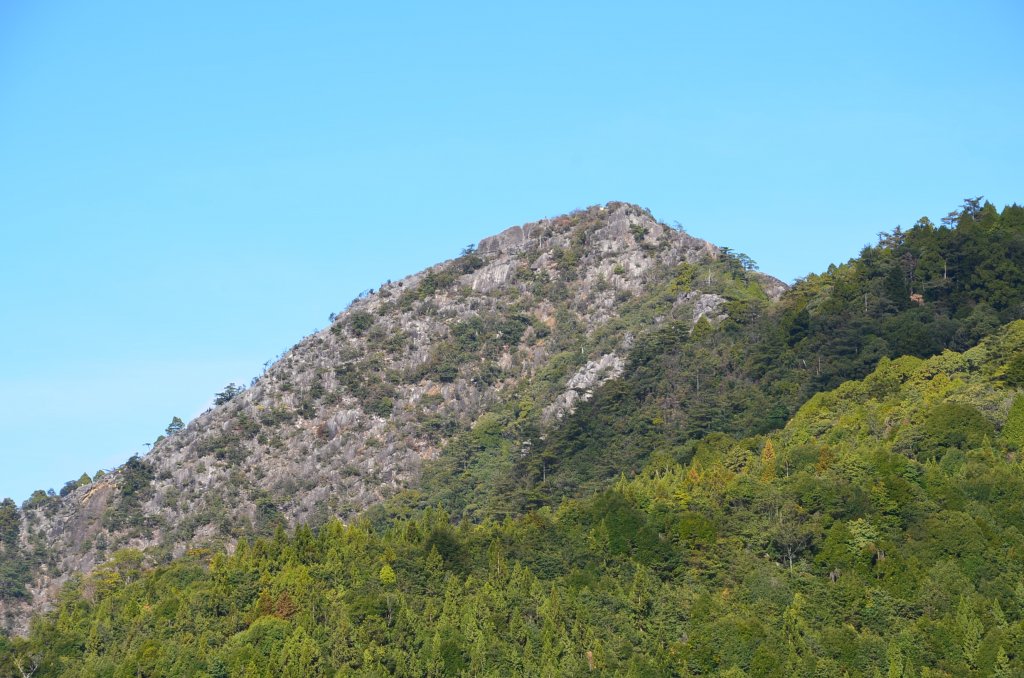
(359, 322)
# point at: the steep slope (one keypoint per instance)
(916, 292)
(347, 417)
(878, 533)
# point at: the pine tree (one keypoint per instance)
(10, 523)
(970, 630)
(1013, 429)
(387, 576)
(176, 425)
(1002, 669)
(300, 657)
(768, 460)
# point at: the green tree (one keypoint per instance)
(953, 425)
(177, 424)
(970, 630)
(1014, 375)
(229, 392)
(1013, 429)
(1002, 668)
(300, 657)
(387, 575)
(10, 523)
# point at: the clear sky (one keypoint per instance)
(188, 188)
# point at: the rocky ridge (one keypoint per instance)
(348, 416)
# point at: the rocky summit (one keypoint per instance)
(351, 414)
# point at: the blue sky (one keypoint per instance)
(188, 188)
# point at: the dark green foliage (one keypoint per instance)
(136, 475)
(1015, 371)
(135, 486)
(277, 415)
(359, 322)
(10, 523)
(374, 393)
(229, 392)
(175, 426)
(440, 279)
(223, 446)
(751, 372)
(952, 425)
(14, 566)
(268, 517)
(38, 499)
(474, 345)
(15, 576)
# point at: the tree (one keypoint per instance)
(360, 322)
(387, 575)
(229, 392)
(930, 271)
(10, 523)
(793, 534)
(972, 206)
(950, 220)
(300, 657)
(1014, 375)
(952, 425)
(177, 424)
(970, 630)
(1013, 429)
(768, 460)
(746, 262)
(27, 665)
(1002, 669)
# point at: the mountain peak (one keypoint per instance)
(351, 414)
(611, 221)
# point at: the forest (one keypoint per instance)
(825, 485)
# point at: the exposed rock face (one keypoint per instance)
(580, 385)
(348, 415)
(704, 305)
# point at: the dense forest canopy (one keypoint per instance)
(880, 530)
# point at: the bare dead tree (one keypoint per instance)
(23, 665)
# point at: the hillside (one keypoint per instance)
(571, 367)
(917, 292)
(348, 416)
(878, 532)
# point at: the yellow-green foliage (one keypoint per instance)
(1013, 429)
(836, 546)
(902, 401)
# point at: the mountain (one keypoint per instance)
(917, 292)
(348, 416)
(598, 439)
(879, 530)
